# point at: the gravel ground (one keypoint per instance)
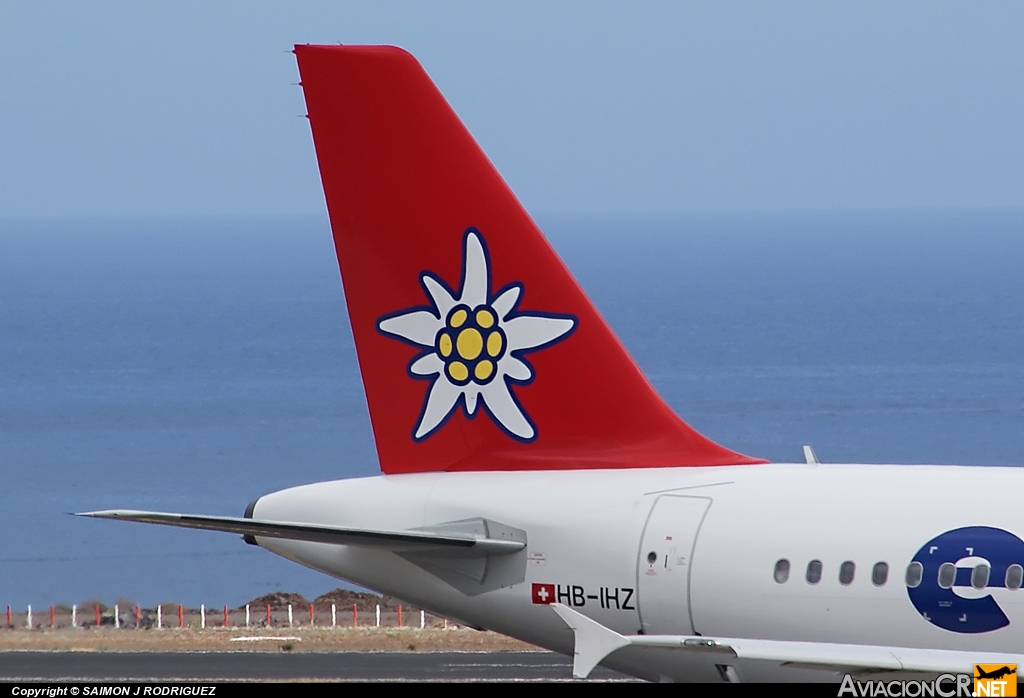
(297, 639)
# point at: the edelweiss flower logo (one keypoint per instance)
(473, 345)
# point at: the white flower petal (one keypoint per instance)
(504, 409)
(471, 396)
(442, 300)
(440, 403)
(528, 331)
(419, 326)
(427, 365)
(475, 282)
(514, 368)
(504, 303)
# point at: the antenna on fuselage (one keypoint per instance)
(810, 457)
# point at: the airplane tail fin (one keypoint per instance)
(478, 349)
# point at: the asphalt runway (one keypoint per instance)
(265, 666)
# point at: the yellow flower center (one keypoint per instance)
(470, 344)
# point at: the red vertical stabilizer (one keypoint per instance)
(478, 349)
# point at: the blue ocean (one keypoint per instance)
(193, 364)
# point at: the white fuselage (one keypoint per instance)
(691, 550)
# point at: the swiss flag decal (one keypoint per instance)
(543, 593)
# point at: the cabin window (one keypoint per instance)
(979, 576)
(846, 571)
(782, 571)
(915, 570)
(880, 573)
(814, 571)
(947, 575)
(1014, 576)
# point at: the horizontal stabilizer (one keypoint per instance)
(594, 642)
(449, 543)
